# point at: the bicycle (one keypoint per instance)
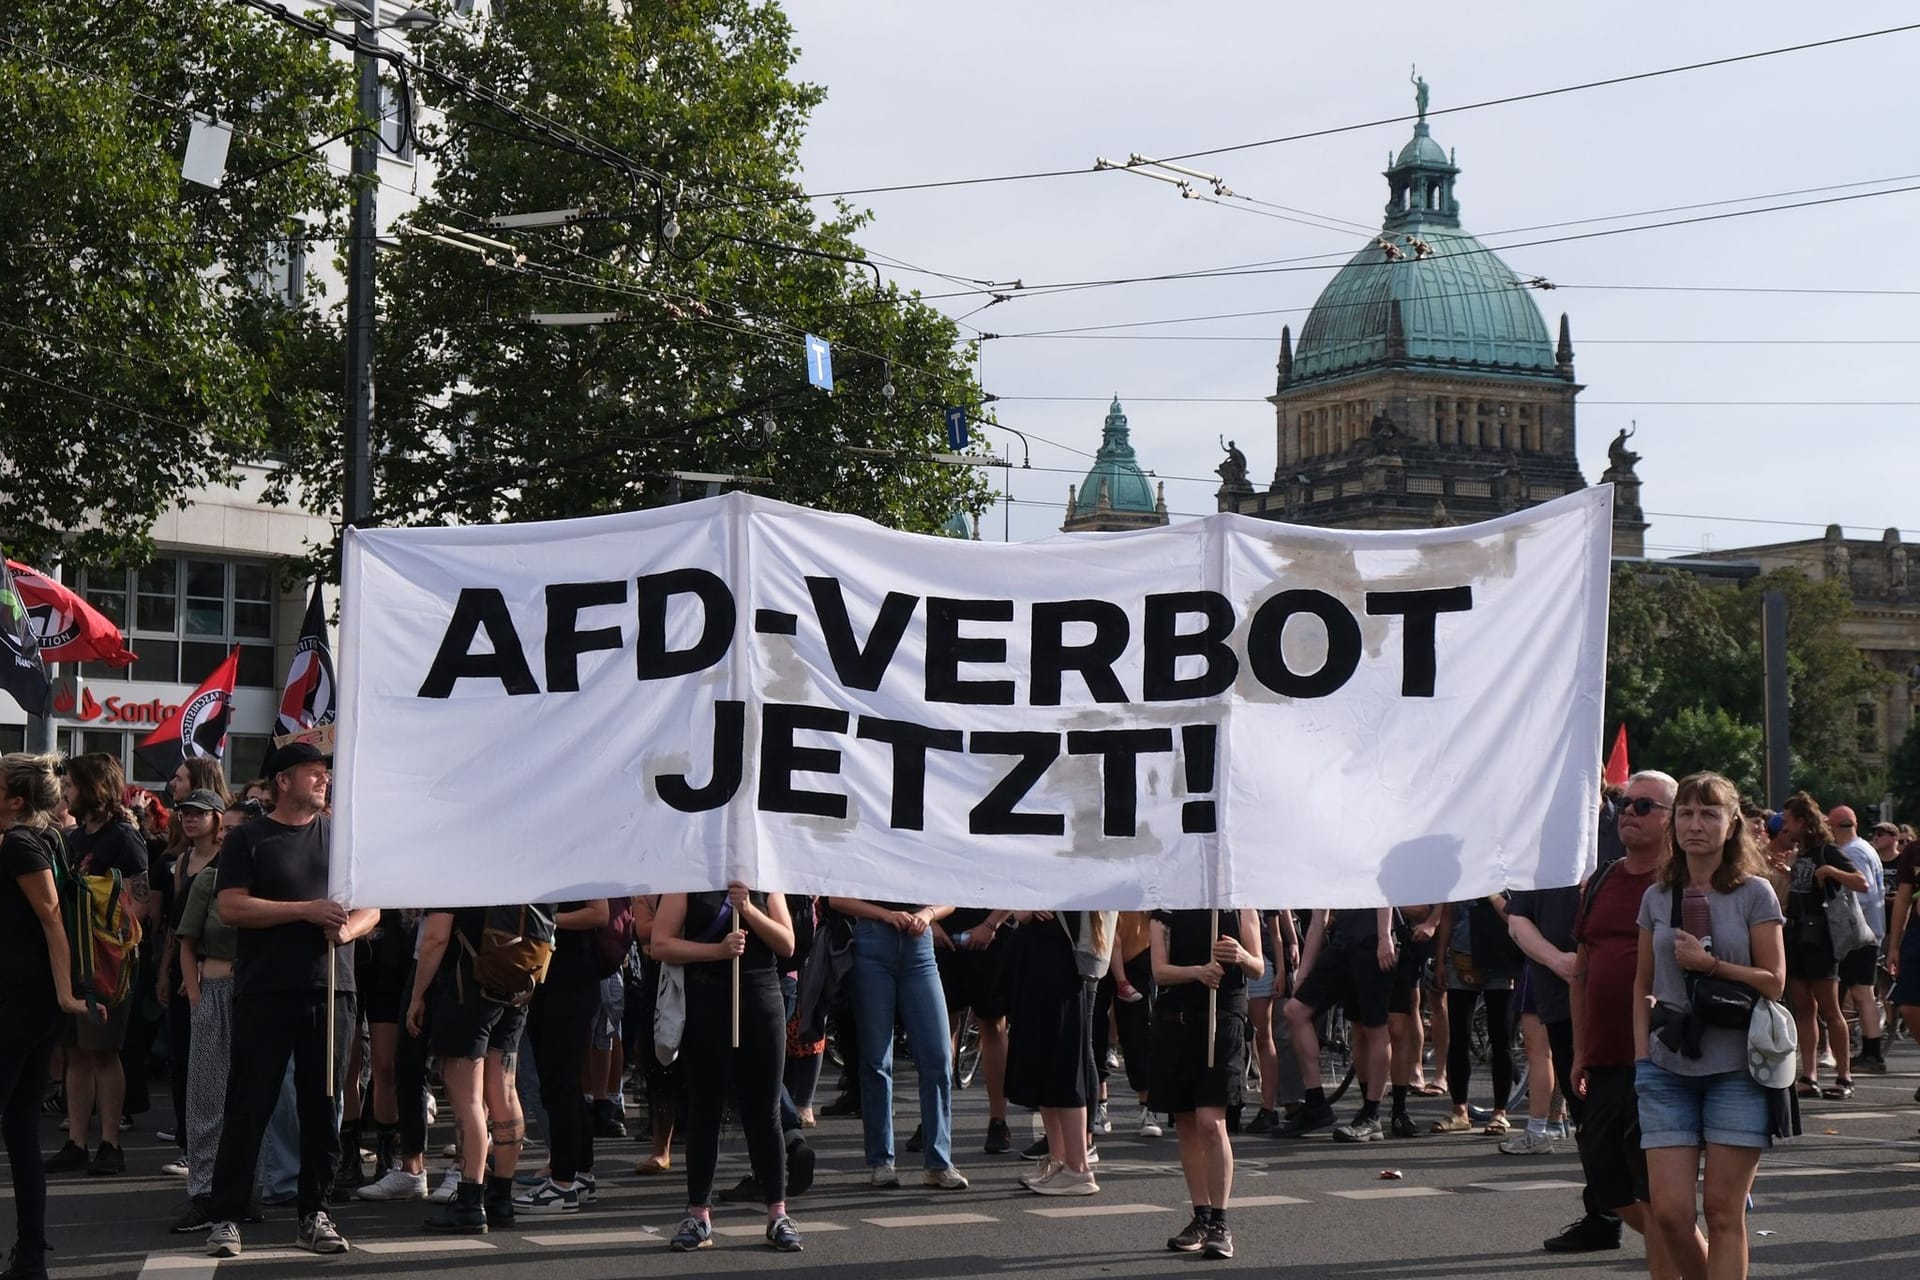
(966, 1057)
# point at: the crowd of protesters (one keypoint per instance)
(1640, 999)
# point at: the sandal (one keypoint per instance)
(1838, 1091)
(1452, 1124)
(1499, 1124)
(650, 1166)
(1429, 1090)
(1806, 1087)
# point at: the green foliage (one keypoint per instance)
(483, 417)
(138, 358)
(1684, 674)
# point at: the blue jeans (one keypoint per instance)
(895, 973)
(279, 1168)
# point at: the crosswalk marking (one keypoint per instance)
(178, 1266)
(423, 1246)
(1389, 1193)
(930, 1220)
(1542, 1184)
(1854, 1115)
(1795, 1171)
(1264, 1202)
(760, 1229)
(596, 1237)
(1102, 1210)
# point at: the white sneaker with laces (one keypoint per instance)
(319, 1235)
(947, 1179)
(1527, 1143)
(223, 1241)
(176, 1167)
(1149, 1124)
(1102, 1122)
(1048, 1167)
(449, 1183)
(1065, 1182)
(395, 1184)
(883, 1177)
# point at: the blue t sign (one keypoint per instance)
(956, 427)
(819, 363)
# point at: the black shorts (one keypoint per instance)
(475, 1026)
(1857, 969)
(1351, 975)
(1610, 1154)
(1811, 961)
(1406, 980)
(1180, 1079)
(385, 991)
(976, 980)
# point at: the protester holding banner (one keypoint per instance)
(896, 977)
(104, 842)
(1202, 963)
(734, 1045)
(1712, 915)
(272, 887)
(36, 990)
(559, 1021)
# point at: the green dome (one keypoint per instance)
(1127, 486)
(1439, 299)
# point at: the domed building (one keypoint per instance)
(1116, 494)
(1425, 388)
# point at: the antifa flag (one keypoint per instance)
(308, 698)
(68, 628)
(22, 673)
(199, 727)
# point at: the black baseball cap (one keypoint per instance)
(203, 800)
(280, 759)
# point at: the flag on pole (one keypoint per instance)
(308, 698)
(22, 672)
(199, 727)
(67, 627)
(1618, 770)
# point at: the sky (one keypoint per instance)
(1773, 413)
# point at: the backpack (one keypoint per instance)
(516, 946)
(103, 932)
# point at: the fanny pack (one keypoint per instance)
(1716, 1002)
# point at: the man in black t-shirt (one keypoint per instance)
(273, 888)
(1350, 956)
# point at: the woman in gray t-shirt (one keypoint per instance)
(1729, 929)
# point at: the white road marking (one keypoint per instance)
(1544, 1184)
(1095, 1210)
(760, 1229)
(1263, 1202)
(1389, 1193)
(1849, 1115)
(1795, 1171)
(931, 1220)
(451, 1245)
(179, 1266)
(596, 1237)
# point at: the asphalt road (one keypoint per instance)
(1831, 1203)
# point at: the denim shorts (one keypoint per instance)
(1728, 1108)
(1261, 988)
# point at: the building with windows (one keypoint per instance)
(1116, 494)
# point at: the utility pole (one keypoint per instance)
(356, 502)
(1777, 756)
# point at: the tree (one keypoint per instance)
(483, 416)
(139, 356)
(1684, 674)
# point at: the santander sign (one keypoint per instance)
(115, 710)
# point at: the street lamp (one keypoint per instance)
(357, 499)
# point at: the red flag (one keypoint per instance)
(199, 727)
(69, 629)
(1618, 770)
(308, 698)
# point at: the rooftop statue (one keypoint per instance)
(1419, 92)
(1619, 456)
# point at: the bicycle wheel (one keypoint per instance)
(966, 1059)
(1336, 1049)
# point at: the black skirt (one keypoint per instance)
(1049, 1021)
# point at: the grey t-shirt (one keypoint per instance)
(1733, 914)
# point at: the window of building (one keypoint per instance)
(187, 612)
(396, 124)
(13, 737)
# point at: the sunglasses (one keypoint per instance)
(1641, 806)
(1844, 826)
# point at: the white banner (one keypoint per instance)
(1226, 712)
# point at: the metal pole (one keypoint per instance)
(1773, 665)
(42, 733)
(356, 501)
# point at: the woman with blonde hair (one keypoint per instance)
(36, 989)
(1711, 914)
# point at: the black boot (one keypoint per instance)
(462, 1215)
(499, 1202)
(350, 1173)
(26, 1262)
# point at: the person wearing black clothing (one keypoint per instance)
(383, 972)
(971, 947)
(1350, 956)
(272, 887)
(105, 841)
(1811, 870)
(1189, 960)
(716, 937)
(36, 993)
(558, 1023)
(1541, 922)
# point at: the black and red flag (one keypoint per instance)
(308, 698)
(199, 727)
(22, 673)
(68, 628)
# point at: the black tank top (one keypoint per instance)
(1189, 942)
(703, 909)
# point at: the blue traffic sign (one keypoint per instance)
(819, 363)
(956, 427)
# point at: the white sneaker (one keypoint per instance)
(1102, 1122)
(1065, 1182)
(1093, 1155)
(397, 1184)
(883, 1177)
(433, 1108)
(176, 1167)
(1527, 1143)
(449, 1183)
(1149, 1124)
(1048, 1167)
(947, 1179)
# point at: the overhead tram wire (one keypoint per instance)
(1331, 131)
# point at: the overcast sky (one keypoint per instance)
(932, 91)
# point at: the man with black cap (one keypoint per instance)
(273, 889)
